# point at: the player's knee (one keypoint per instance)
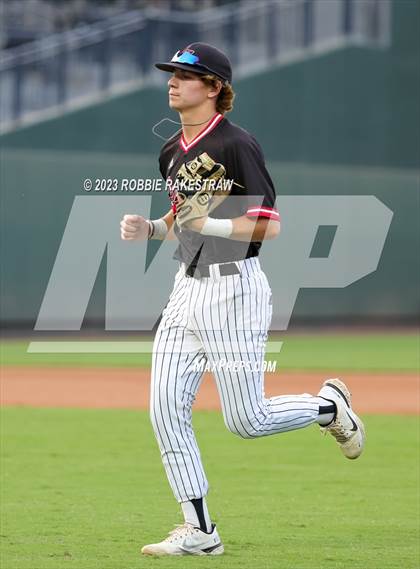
(165, 412)
(233, 429)
(241, 429)
(154, 419)
(250, 432)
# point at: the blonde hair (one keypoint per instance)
(224, 102)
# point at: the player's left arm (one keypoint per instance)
(244, 228)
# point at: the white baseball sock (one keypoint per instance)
(196, 513)
(327, 411)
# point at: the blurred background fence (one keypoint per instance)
(69, 68)
(330, 88)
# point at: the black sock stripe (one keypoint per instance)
(199, 510)
(325, 409)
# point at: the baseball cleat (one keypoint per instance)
(347, 428)
(187, 540)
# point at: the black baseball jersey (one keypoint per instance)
(253, 189)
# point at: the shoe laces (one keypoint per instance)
(337, 430)
(181, 530)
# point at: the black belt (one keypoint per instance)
(199, 271)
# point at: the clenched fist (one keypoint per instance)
(134, 227)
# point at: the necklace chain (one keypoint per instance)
(194, 123)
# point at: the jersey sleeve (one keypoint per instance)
(259, 187)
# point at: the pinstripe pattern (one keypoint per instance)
(207, 320)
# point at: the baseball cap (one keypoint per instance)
(200, 58)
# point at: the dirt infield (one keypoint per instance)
(129, 388)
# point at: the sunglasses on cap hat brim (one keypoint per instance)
(188, 62)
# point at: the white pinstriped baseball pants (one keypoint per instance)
(206, 320)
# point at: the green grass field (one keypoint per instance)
(85, 489)
(359, 352)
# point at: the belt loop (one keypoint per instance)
(215, 271)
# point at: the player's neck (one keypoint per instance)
(195, 120)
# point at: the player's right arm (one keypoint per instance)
(138, 228)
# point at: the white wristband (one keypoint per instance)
(217, 227)
(158, 229)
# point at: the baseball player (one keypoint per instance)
(220, 306)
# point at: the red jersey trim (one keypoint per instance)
(259, 211)
(214, 122)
